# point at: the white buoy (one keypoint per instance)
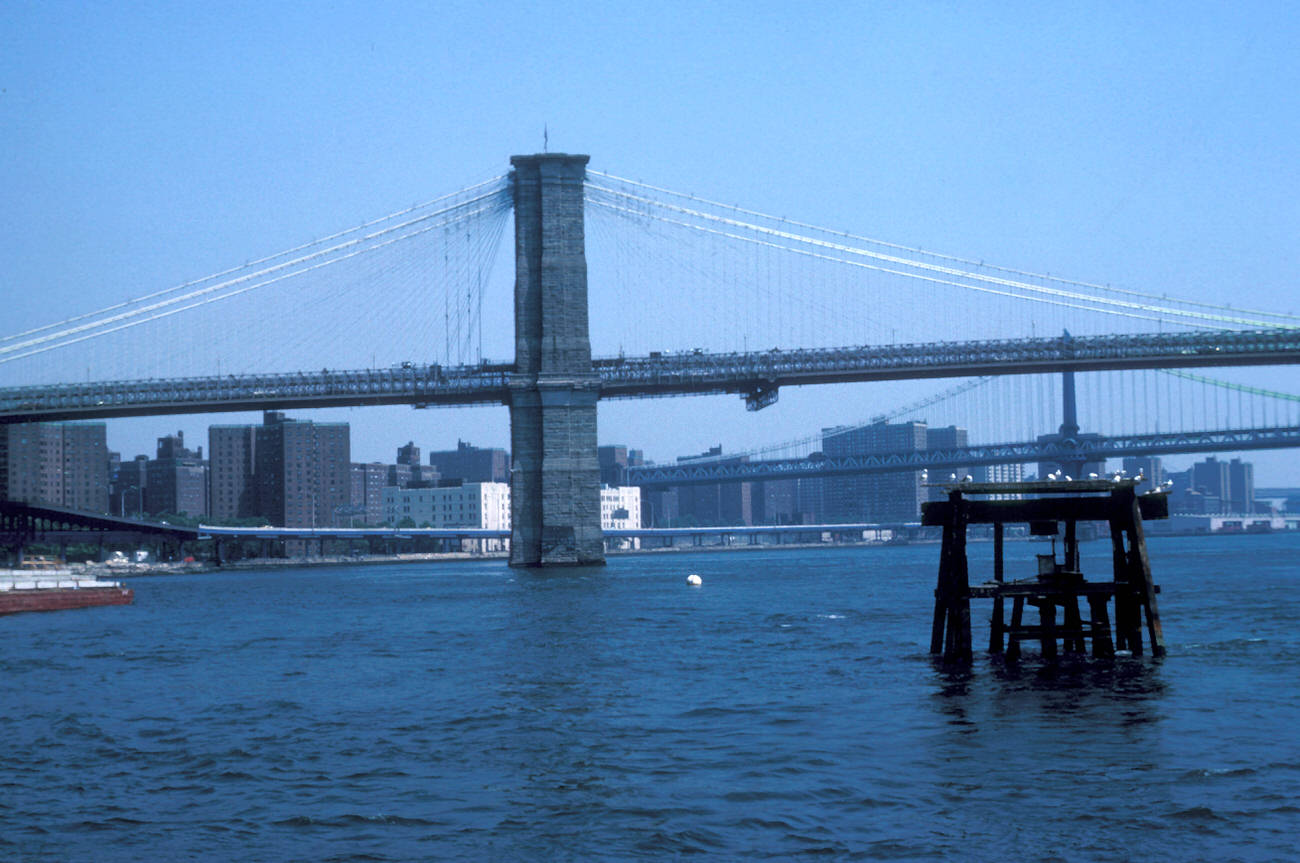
(694, 580)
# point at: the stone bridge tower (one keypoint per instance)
(555, 479)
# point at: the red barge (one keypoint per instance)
(43, 587)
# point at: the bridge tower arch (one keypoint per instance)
(555, 477)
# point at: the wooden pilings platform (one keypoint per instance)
(1056, 589)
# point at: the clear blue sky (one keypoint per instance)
(1155, 146)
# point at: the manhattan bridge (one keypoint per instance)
(625, 290)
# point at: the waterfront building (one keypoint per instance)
(472, 504)
(487, 505)
(58, 464)
(620, 507)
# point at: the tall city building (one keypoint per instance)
(1213, 486)
(895, 496)
(998, 473)
(368, 483)
(614, 460)
(408, 471)
(715, 503)
(472, 464)
(1150, 468)
(409, 454)
(59, 464)
(127, 485)
(176, 479)
(620, 507)
(231, 456)
(302, 471)
(1241, 483)
(776, 501)
(287, 472)
(1213, 479)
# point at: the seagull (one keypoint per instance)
(968, 478)
(952, 477)
(1068, 479)
(1092, 476)
(925, 476)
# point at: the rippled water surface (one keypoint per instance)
(786, 708)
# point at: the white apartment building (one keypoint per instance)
(487, 505)
(620, 507)
(474, 504)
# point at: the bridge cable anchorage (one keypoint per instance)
(1101, 304)
(494, 201)
(938, 255)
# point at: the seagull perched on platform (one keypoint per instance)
(1092, 476)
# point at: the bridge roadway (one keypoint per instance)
(756, 375)
(1087, 448)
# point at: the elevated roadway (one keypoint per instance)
(756, 375)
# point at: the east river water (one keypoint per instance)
(788, 707)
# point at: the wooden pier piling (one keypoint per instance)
(1044, 506)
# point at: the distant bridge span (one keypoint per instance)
(756, 375)
(1085, 449)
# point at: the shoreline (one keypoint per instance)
(103, 570)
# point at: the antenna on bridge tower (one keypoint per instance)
(546, 139)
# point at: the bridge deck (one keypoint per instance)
(758, 374)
